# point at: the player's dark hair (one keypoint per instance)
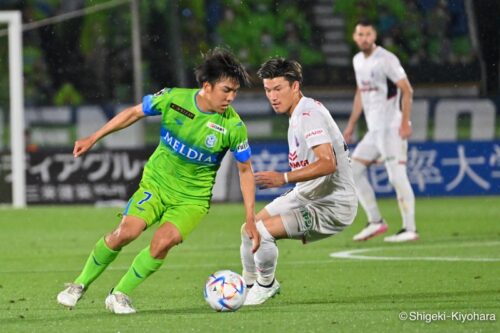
(291, 70)
(218, 64)
(364, 22)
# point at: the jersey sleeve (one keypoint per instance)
(156, 104)
(393, 68)
(239, 142)
(314, 128)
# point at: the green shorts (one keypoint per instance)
(154, 206)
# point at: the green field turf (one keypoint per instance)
(41, 248)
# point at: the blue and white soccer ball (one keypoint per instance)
(225, 291)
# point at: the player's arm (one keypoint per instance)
(406, 104)
(122, 120)
(357, 108)
(247, 185)
(325, 164)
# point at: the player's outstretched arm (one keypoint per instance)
(122, 120)
(325, 164)
(247, 185)
(357, 108)
(405, 129)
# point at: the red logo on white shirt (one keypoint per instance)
(314, 132)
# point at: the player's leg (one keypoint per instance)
(365, 153)
(180, 222)
(104, 252)
(396, 169)
(281, 204)
(247, 257)
(265, 259)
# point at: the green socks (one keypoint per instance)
(97, 262)
(143, 266)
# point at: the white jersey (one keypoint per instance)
(376, 76)
(310, 125)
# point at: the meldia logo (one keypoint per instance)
(185, 151)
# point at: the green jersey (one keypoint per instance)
(192, 144)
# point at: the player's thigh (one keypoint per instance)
(320, 219)
(184, 217)
(394, 148)
(284, 203)
(146, 204)
(367, 149)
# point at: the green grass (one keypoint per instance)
(43, 247)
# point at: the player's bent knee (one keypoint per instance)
(163, 241)
(358, 168)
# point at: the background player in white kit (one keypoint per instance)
(380, 80)
(323, 201)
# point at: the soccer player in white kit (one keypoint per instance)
(323, 201)
(380, 81)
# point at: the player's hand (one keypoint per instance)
(253, 234)
(348, 131)
(405, 130)
(268, 179)
(83, 145)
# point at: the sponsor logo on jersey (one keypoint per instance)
(242, 146)
(192, 154)
(210, 140)
(181, 110)
(217, 128)
(314, 132)
(298, 164)
(308, 114)
(294, 163)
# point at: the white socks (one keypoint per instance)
(406, 198)
(399, 180)
(247, 260)
(263, 261)
(365, 192)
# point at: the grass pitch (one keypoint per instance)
(453, 270)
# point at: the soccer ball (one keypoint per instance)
(225, 291)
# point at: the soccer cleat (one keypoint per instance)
(70, 295)
(402, 235)
(119, 303)
(259, 294)
(371, 230)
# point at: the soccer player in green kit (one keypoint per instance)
(198, 126)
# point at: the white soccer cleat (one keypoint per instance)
(258, 294)
(371, 230)
(69, 296)
(402, 236)
(119, 303)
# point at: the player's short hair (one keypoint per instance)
(291, 70)
(364, 22)
(218, 64)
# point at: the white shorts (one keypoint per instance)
(311, 221)
(386, 145)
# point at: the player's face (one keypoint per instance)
(280, 93)
(365, 37)
(221, 94)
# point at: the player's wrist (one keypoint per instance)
(285, 177)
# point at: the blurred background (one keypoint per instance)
(84, 60)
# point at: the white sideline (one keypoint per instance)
(357, 253)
